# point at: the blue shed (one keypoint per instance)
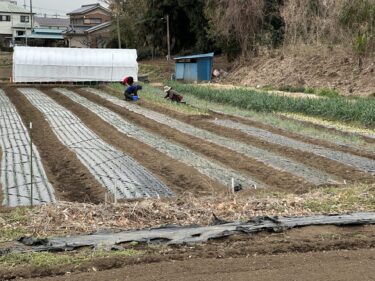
(194, 68)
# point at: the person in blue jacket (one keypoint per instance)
(131, 92)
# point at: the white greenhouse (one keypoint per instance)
(35, 64)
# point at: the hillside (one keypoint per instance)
(309, 67)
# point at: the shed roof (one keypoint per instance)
(201, 56)
(48, 31)
(53, 22)
(87, 8)
(8, 7)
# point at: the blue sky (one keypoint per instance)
(60, 7)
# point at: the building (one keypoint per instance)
(14, 21)
(82, 26)
(194, 68)
(47, 32)
(51, 23)
(99, 36)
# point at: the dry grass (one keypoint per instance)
(71, 218)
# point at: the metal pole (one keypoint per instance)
(31, 166)
(169, 39)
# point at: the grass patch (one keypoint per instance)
(361, 112)
(336, 199)
(16, 216)
(60, 259)
(156, 96)
(11, 234)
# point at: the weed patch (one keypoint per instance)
(52, 259)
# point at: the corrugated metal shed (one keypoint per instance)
(195, 67)
(35, 64)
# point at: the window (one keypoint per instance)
(20, 33)
(24, 18)
(4, 18)
(93, 21)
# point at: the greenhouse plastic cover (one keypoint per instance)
(36, 64)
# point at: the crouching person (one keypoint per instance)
(131, 92)
(172, 94)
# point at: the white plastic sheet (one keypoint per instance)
(37, 64)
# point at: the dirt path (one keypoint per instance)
(256, 169)
(71, 180)
(346, 172)
(335, 265)
(177, 176)
(326, 245)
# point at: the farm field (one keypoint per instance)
(147, 150)
(91, 147)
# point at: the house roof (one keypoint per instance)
(42, 36)
(8, 7)
(53, 22)
(48, 31)
(99, 26)
(87, 8)
(201, 56)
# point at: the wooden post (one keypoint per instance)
(169, 39)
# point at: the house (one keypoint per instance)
(82, 22)
(99, 36)
(47, 32)
(14, 21)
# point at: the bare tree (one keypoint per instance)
(241, 18)
(117, 7)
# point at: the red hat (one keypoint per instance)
(125, 80)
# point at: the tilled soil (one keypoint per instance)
(311, 253)
(336, 265)
(179, 177)
(70, 179)
(258, 170)
(332, 167)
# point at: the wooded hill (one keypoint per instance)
(240, 28)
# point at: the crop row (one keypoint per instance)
(275, 161)
(117, 172)
(361, 110)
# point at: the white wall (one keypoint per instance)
(35, 64)
(6, 27)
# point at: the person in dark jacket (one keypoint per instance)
(131, 92)
(172, 94)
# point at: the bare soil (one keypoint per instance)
(343, 171)
(336, 265)
(176, 175)
(311, 253)
(273, 178)
(70, 179)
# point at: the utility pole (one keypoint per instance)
(118, 30)
(31, 15)
(169, 39)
